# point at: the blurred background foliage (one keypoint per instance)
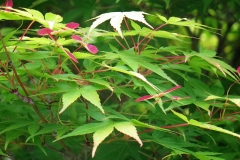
(220, 14)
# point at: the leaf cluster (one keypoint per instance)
(60, 101)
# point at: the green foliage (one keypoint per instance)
(169, 99)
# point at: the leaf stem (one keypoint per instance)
(120, 43)
(147, 37)
(23, 34)
(134, 44)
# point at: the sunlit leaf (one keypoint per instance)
(36, 14)
(90, 94)
(11, 16)
(162, 18)
(69, 97)
(185, 22)
(180, 116)
(203, 105)
(205, 125)
(129, 129)
(212, 127)
(23, 14)
(100, 135)
(52, 19)
(235, 101)
(213, 97)
(135, 26)
(84, 55)
(161, 34)
(116, 19)
(42, 40)
(86, 129)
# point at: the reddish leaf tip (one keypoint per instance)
(91, 48)
(172, 89)
(8, 4)
(143, 98)
(71, 56)
(175, 97)
(44, 31)
(72, 25)
(76, 37)
(238, 70)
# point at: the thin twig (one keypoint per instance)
(148, 36)
(19, 81)
(120, 43)
(129, 30)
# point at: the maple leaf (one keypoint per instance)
(116, 19)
